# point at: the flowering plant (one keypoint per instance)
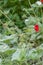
(21, 32)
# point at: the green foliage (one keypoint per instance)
(20, 44)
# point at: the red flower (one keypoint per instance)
(36, 28)
(41, 1)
